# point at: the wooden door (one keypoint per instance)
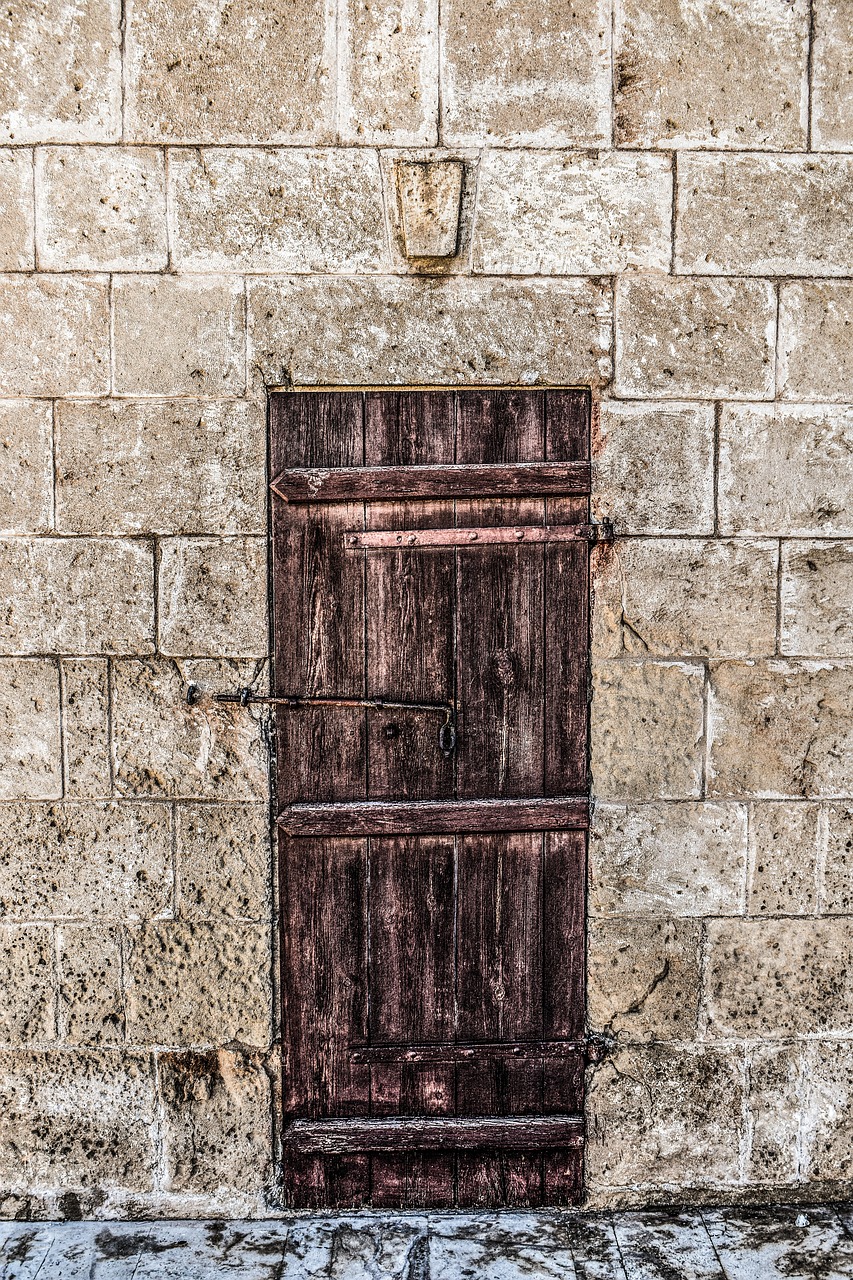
(430, 557)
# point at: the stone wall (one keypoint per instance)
(197, 204)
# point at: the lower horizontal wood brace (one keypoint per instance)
(333, 1136)
(485, 1052)
(435, 817)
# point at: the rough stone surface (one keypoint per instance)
(637, 449)
(85, 860)
(85, 728)
(17, 217)
(217, 1120)
(532, 75)
(162, 467)
(254, 71)
(54, 335)
(783, 847)
(26, 467)
(76, 1119)
(388, 86)
(794, 716)
(784, 470)
(837, 883)
(361, 332)
(832, 51)
(284, 210)
(179, 336)
(666, 1114)
(196, 983)
(815, 357)
(695, 338)
(660, 860)
(26, 984)
(671, 597)
(212, 597)
(644, 978)
(60, 72)
(686, 74)
(772, 979)
(429, 195)
(163, 747)
(76, 596)
(817, 598)
(550, 213)
(829, 1112)
(223, 859)
(91, 1000)
(101, 209)
(30, 754)
(776, 1080)
(760, 215)
(657, 706)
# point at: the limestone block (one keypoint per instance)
(783, 857)
(552, 213)
(759, 215)
(772, 979)
(659, 860)
(212, 595)
(162, 467)
(711, 75)
(392, 162)
(26, 984)
(665, 1114)
(385, 331)
(17, 230)
(90, 859)
(252, 71)
(776, 1096)
(223, 859)
(388, 73)
(837, 879)
(60, 72)
(217, 1120)
(163, 747)
(828, 1113)
(817, 598)
(429, 195)
(101, 209)
(85, 728)
(54, 335)
(76, 1119)
(197, 983)
(815, 355)
(784, 470)
(286, 210)
(643, 978)
(179, 335)
(780, 729)
(832, 53)
(695, 338)
(30, 756)
(26, 466)
(91, 1002)
(534, 75)
(76, 596)
(647, 730)
(674, 597)
(653, 467)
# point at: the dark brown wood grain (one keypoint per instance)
(432, 899)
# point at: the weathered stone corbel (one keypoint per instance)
(430, 193)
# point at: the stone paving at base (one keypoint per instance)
(788, 1244)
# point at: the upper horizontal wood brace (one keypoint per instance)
(377, 484)
(490, 535)
(434, 817)
(335, 1136)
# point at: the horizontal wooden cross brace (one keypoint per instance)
(456, 480)
(421, 817)
(335, 1136)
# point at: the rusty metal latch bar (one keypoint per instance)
(247, 697)
(400, 539)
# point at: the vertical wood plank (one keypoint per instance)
(324, 1003)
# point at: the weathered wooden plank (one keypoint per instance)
(435, 817)
(534, 1050)
(448, 1133)
(377, 484)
